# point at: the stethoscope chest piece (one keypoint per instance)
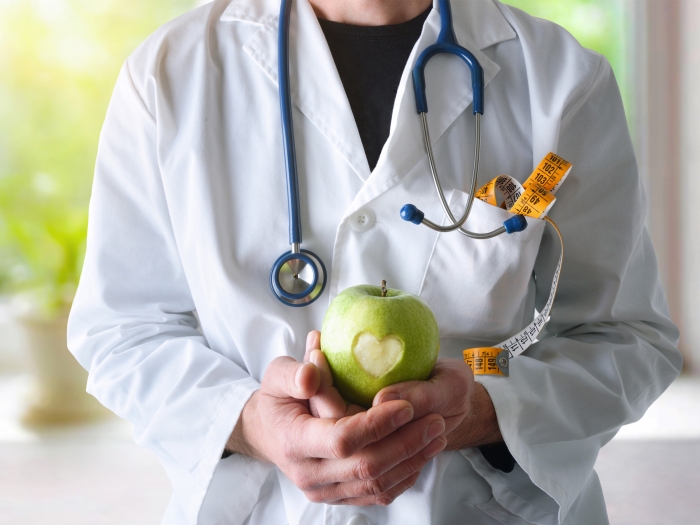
(298, 278)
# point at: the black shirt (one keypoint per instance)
(370, 61)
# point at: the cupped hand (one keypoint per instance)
(450, 392)
(364, 458)
(447, 392)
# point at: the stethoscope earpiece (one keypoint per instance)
(515, 224)
(298, 278)
(410, 213)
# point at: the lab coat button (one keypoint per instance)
(358, 519)
(361, 221)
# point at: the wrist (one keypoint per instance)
(480, 426)
(243, 438)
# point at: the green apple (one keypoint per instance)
(373, 337)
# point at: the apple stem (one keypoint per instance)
(383, 288)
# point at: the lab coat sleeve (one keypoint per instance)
(610, 349)
(132, 324)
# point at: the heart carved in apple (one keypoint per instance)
(377, 357)
(373, 337)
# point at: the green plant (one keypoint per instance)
(58, 64)
(42, 237)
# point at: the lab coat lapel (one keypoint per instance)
(316, 88)
(318, 91)
(478, 24)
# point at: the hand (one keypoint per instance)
(368, 458)
(470, 418)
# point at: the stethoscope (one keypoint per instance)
(298, 277)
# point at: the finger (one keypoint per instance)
(313, 341)
(412, 465)
(350, 411)
(327, 402)
(319, 359)
(366, 467)
(286, 377)
(447, 391)
(376, 468)
(354, 409)
(356, 489)
(383, 499)
(339, 439)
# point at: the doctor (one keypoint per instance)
(176, 324)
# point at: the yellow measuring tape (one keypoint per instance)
(534, 198)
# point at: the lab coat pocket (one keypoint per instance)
(478, 288)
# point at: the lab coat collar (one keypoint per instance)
(260, 12)
(316, 87)
(319, 94)
(478, 21)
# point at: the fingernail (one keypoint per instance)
(402, 417)
(310, 338)
(389, 397)
(434, 448)
(315, 357)
(434, 430)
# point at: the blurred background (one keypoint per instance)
(63, 459)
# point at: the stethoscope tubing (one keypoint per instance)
(447, 44)
(290, 157)
(456, 224)
(315, 288)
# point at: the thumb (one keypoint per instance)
(286, 377)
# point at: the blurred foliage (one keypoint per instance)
(597, 24)
(58, 64)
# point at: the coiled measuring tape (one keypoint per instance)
(533, 198)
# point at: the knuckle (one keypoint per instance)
(274, 367)
(302, 481)
(411, 467)
(288, 449)
(374, 425)
(385, 500)
(295, 475)
(388, 497)
(376, 487)
(315, 496)
(341, 447)
(404, 451)
(366, 470)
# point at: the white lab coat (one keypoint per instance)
(189, 212)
